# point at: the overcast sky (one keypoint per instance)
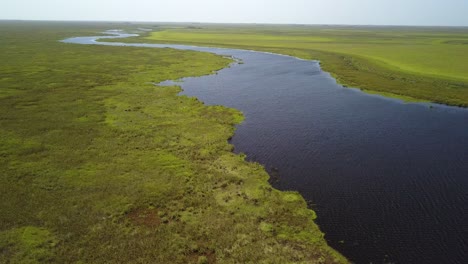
(363, 12)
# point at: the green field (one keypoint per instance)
(98, 165)
(413, 63)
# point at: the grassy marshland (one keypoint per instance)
(412, 63)
(97, 165)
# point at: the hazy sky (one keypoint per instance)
(375, 12)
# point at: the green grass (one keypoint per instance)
(426, 64)
(97, 165)
(409, 54)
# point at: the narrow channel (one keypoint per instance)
(388, 179)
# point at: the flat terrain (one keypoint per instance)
(412, 63)
(98, 165)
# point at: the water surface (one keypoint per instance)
(389, 180)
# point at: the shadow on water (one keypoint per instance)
(389, 180)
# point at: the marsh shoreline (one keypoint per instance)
(140, 173)
(384, 146)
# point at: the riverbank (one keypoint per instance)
(99, 165)
(413, 64)
(332, 123)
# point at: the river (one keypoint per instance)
(388, 179)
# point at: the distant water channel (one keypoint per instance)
(388, 180)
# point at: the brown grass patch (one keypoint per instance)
(145, 217)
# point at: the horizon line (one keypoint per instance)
(230, 23)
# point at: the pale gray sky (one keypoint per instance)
(367, 12)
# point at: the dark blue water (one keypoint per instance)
(388, 180)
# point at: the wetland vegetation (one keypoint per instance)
(98, 165)
(411, 63)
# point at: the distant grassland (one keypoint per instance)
(98, 165)
(427, 55)
(413, 63)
